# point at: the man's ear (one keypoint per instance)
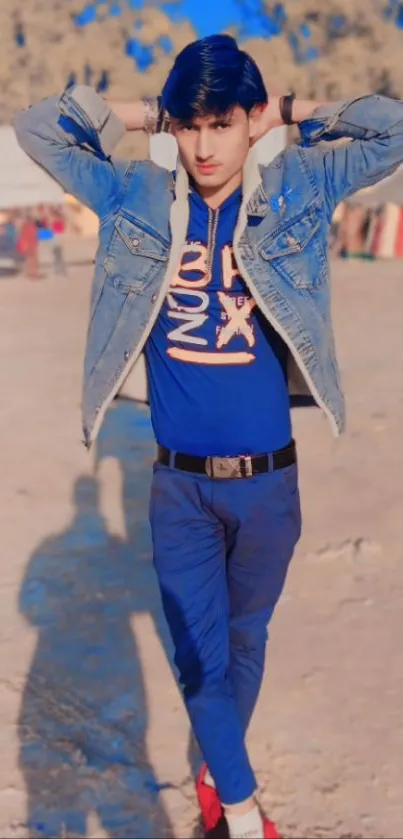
(254, 122)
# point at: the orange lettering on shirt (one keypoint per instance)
(194, 357)
(229, 267)
(198, 263)
(237, 320)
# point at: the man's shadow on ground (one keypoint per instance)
(83, 719)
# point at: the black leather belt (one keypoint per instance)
(244, 466)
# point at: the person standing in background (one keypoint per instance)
(28, 246)
(58, 226)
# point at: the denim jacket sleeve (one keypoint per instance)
(72, 138)
(374, 124)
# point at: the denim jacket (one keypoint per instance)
(280, 241)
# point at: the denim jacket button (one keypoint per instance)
(126, 355)
(153, 298)
(135, 242)
(291, 240)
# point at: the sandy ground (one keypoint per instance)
(94, 739)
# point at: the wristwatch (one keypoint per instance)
(156, 118)
(164, 120)
(285, 104)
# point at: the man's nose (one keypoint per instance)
(204, 145)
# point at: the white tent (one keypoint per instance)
(22, 182)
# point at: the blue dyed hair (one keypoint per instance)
(212, 76)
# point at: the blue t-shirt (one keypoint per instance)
(216, 368)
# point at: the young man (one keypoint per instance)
(211, 301)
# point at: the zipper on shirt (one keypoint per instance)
(213, 216)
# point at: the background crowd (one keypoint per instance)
(23, 230)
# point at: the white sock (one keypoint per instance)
(247, 826)
(209, 780)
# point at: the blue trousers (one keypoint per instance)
(221, 553)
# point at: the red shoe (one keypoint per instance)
(209, 802)
(270, 830)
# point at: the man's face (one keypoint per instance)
(213, 149)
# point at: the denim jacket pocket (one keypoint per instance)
(296, 250)
(135, 255)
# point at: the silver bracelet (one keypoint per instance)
(151, 113)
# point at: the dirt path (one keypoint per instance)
(94, 738)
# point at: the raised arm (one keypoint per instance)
(373, 129)
(73, 136)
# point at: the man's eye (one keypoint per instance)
(186, 128)
(222, 125)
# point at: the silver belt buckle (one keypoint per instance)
(228, 467)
